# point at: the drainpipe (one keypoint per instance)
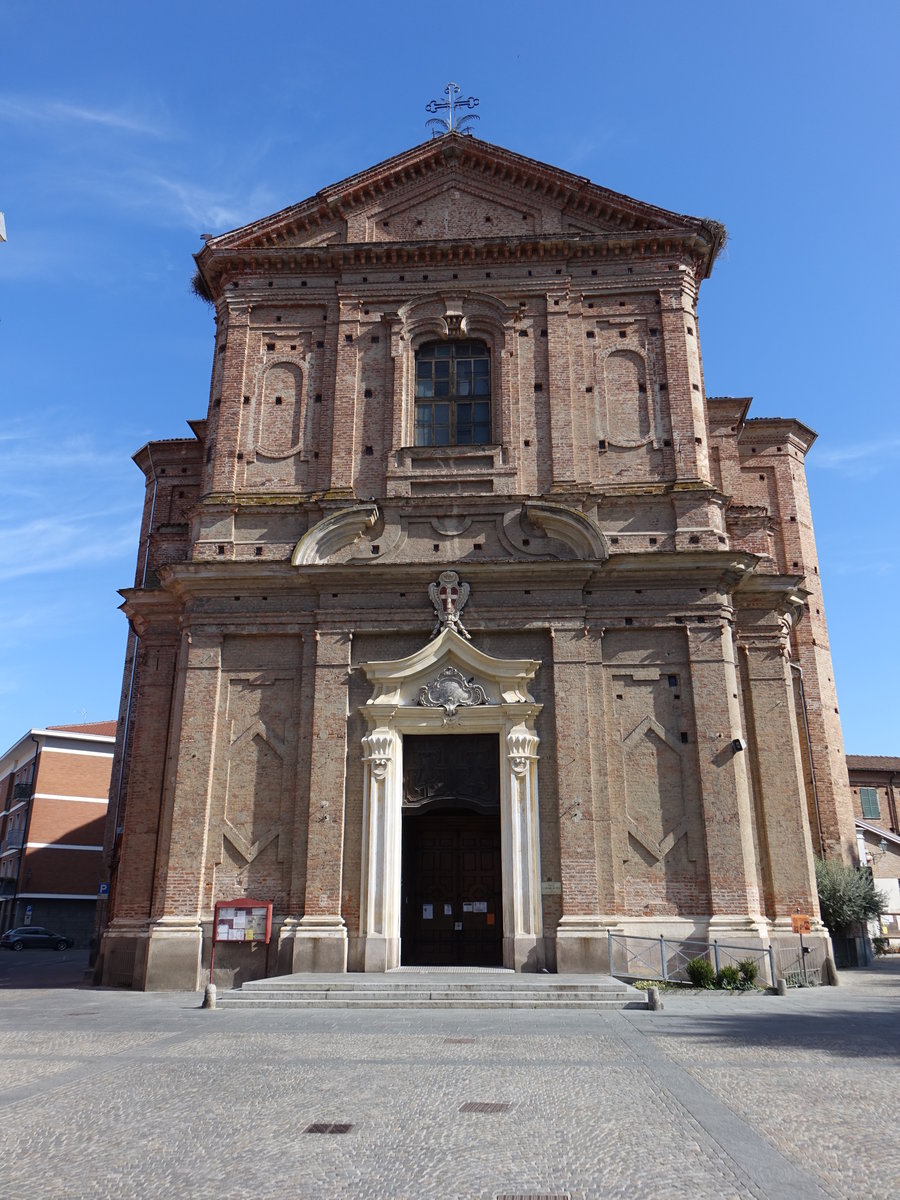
(134, 656)
(812, 770)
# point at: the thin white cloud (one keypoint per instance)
(55, 112)
(34, 456)
(170, 200)
(207, 207)
(52, 544)
(859, 460)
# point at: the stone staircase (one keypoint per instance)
(433, 988)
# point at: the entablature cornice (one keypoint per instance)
(150, 611)
(725, 567)
(770, 431)
(459, 252)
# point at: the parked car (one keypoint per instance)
(33, 937)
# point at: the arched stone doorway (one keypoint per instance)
(451, 688)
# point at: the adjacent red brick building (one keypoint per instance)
(54, 789)
(466, 627)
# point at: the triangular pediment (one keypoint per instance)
(455, 188)
(502, 680)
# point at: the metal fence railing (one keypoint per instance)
(801, 968)
(666, 959)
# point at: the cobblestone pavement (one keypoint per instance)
(127, 1095)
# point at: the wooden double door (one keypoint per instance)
(452, 869)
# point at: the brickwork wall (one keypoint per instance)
(242, 763)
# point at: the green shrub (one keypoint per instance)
(700, 972)
(880, 944)
(729, 977)
(749, 969)
(846, 894)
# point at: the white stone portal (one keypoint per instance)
(480, 694)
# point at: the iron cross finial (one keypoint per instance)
(453, 124)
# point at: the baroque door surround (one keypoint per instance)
(449, 686)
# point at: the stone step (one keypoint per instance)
(448, 984)
(433, 989)
(237, 1000)
(335, 997)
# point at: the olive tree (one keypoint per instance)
(846, 895)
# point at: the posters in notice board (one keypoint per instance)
(241, 925)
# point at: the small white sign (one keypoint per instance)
(551, 887)
(427, 912)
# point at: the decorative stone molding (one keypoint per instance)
(377, 748)
(521, 749)
(451, 690)
(333, 533)
(415, 695)
(571, 527)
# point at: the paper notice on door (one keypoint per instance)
(468, 906)
(427, 912)
(480, 906)
(448, 910)
(457, 925)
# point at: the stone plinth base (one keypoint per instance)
(582, 946)
(380, 953)
(122, 961)
(523, 952)
(320, 944)
(174, 951)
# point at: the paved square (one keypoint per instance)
(119, 1094)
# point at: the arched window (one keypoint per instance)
(453, 394)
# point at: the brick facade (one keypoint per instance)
(876, 803)
(650, 548)
(54, 788)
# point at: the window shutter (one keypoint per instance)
(868, 798)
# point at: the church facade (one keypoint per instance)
(466, 627)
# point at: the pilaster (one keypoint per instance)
(343, 431)
(786, 852)
(522, 917)
(581, 934)
(725, 796)
(175, 935)
(562, 437)
(685, 388)
(320, 939)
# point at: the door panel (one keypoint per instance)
(452, 889)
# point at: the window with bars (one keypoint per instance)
(868, 799)
(453, 394)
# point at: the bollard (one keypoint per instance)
(781, 987)
(209, 996)
(653, 1001)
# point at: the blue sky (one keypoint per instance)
(127, 130)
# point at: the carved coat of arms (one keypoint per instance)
(451, 690)
(449, 596)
